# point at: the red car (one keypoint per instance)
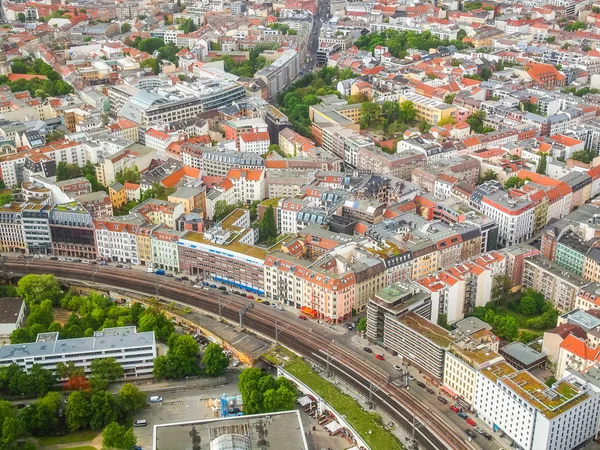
(251, 297)
(454, 409)
(471, 422)
(301, 317)
(379, 357)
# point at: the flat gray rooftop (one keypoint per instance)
(522, 353)
(280, 431)
(48, 344)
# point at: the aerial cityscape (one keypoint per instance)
(299, 225)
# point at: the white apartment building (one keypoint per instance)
(159, 141)
(255, 142)
(135, 351)
(463, 286)
(116, 238)
(287, 213)
(12, 165)
(535, 416)
(249, 185)
(514, 216)
(163, 242)
(464, 360)
(283, 278)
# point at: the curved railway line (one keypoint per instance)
(433, 434)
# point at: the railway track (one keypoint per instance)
(434, 433)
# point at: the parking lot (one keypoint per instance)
(180, 406)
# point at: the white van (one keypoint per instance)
(150, 270)
(140, 423)
(155, 399)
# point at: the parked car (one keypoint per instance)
(205, 283)
(258, 300)
(251, 297)
(397, 367)
(222, 288)
(160, 272)
(224, 293)
(471, 422)
(184, 278)
(479, 430)
(454, 409)
(302, 317)
(470, 434)
(140, 423)
(119, 266)
(266, 302)
(462, 415)
(420, 384)
(442, 400)
(156, 399)
(205, 288)
(380, 357)
(53, 258)
(214, 286)
(85, 261)
(487, 436)
(411, 378)
(430, 391)
(367, 349)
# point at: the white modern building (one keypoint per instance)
(12, 314)
(135, 351)
(533, 415)
(255, 142)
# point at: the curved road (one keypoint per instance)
(434, 433)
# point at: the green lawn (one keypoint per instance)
(368, 425)
(519, 317)
(77, 436)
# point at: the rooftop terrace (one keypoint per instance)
(431, 331)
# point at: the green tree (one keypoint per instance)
(153, 319)
(263, 393)
(42, 314)
(408, 111)
(506, 327)
(131, 398)
(68, 370)
(514, 182)
(485, 73)
(125, 28)
(104, 409)
(362, 324)
(11, 427)
(39, 381)
(574, 26)
(151, 63)
(188, 26)
(21, 17)
(391, 110)
(528, 306)
(106, 369)
(488, 176)
(2, 185)
(78, 411)
(369, 114)
(117, 436)
(150, 45)
(267, 228)
(41, 417)
(476, 121)
(36, 288)
(129, 175)
(182, 355)
(214, 360)
(501, 288)
(20, 336)
(66, 171)
(584, 156)
(541, 166)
